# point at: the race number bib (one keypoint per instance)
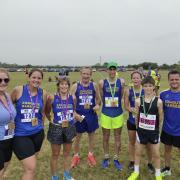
(111, 102)
(69, 116)
(147, 122)
(28, 115)
(85, 100)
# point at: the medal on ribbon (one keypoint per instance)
(34, 120)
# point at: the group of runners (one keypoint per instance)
(73, 111)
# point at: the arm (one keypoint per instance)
(77, 117)
(98, 98)
(123, 83)
(101, 83)
(160, 109)
(126, 100)
(48, 107)
(137, 105)
(16, 93)
(45, 101)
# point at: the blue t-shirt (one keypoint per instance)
(107, 99)
(25, 113)
(171, 107)
(5, 118)
(63, 109)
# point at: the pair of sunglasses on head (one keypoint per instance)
(6, 80)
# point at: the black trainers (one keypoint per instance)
(131, 165)
(151, 168)
(166, 171)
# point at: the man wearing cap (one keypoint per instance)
(111, 90)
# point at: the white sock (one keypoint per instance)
(136, 169)
(157, 172)
(106, 156)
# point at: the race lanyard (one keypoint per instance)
(113, 91)
(135, 97)
(34, 105)
(8, 107)
(64, 111)
(150, 105)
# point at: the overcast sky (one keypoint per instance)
(79, 32)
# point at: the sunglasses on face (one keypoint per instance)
(6, 80)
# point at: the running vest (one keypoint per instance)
(149, 122)
(107, 109)
(23, 120)
(85, 95)
(5, 119)
(171, 106)
(62, 109)
(132, 103)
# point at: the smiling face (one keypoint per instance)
(136, 79)
(174, 81)
(35, 79)
(63, 87)
(4, 79)
(148, 89)
(112, 72)
(86, 75)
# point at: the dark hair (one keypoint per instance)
(173, 72)
(136, 72)
(147, 80)
(35, 70)
(61, 79)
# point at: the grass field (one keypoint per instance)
(83, 172)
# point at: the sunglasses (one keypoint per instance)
(6, 80)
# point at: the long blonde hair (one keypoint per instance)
(5, 71)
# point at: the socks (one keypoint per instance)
(136, 169)
(157, 172)
(106, 156)
(115, 157)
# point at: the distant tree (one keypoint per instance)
(105, 64)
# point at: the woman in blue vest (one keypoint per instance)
(61, 127)
(7, 115)
(130, 95)
(29, 101)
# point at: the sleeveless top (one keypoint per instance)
(132, 103)
(150, 121)
(63, 109)
(6, 117)
(107, 108)
(25, 113)
(85, 95)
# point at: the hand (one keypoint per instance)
(77, 117)
(96, 108)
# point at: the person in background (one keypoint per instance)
(130, 95)
(170, 135)
(30, 101)
(111, 90)
(7, 115)
(157, 77)
(87, 103)
(149, 110)
(62, 130)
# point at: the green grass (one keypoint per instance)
(83, 172)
